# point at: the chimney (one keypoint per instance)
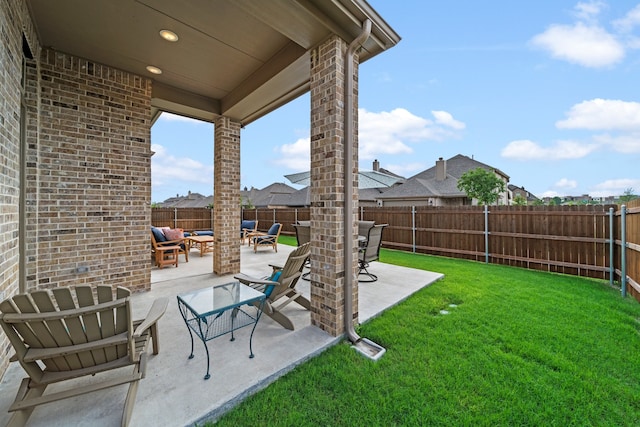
(376, 165)
(441, 169)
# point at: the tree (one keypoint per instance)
(481, 184)
(628, 195)
(519, 200)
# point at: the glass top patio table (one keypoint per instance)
(219, 310)
(207, 301)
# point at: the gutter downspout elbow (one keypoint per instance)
(348, 184)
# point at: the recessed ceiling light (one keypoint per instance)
(169, 35)
(154, 70)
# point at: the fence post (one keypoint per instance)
(295, 215)
(413, 227)
(486, 234)
(211, 212)
(623, 249)
(611, 247)
(274, 215)
(175, 217)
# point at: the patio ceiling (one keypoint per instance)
(241, 58)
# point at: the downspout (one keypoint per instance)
(366, 347)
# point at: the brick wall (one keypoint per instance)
(327, 189)
(89, 176)
(226, 211)
(10, 94)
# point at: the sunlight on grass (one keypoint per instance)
(519, 347)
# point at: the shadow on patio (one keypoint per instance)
(174, 391)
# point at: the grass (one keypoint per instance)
(517, 348)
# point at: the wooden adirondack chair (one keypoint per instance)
(281, 284)
(56, 340)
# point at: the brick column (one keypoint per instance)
(327, 188)
(226, 197)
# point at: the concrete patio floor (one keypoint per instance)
(174, 393)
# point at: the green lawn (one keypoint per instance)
(517, 348)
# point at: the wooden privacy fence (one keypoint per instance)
(189, 219)
(579, 240)
(628, 237)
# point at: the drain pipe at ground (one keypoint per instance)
(363, 345)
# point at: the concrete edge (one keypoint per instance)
(214, 415)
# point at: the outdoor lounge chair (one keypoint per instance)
(247, 227)
(268, 239)
(281, 284)
(303, 235)
(56, 340)
(370, 252)
(166, 251)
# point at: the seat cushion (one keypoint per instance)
(264, 240)
(158, 235)
(203, 232)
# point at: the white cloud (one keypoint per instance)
(550, 193)
(446, 119)
(629, 22)
(586, 45)
(566, 183)
(627, 144)
(561, 150)
(615, 187)
(589, 11)
(389, 132)
(170, 117)
(602, 114)
(295, 156)
(166, 168)
(385, 132)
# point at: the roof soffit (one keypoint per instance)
(240, 58)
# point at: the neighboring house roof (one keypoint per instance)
(366, 179)
(426, 184)
(191, 200)
(299, 198)
(370, 194)
(267, 196)
(377, 179)
(520, 190)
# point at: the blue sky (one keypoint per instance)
(546, 91)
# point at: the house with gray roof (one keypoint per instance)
(438, 186)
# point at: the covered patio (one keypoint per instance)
(174, 391)
(85, 81)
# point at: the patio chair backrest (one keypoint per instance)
(291, 271)
(374, 240)
(364, 227)
(303, 232)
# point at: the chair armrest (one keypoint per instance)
(156, 311)
(276, 267)
(243, 278)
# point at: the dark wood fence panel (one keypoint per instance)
(285, 216)
(189, 219)
(633, 248)
(570, 240)
(566, 239)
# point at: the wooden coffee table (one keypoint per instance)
(204, 243)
